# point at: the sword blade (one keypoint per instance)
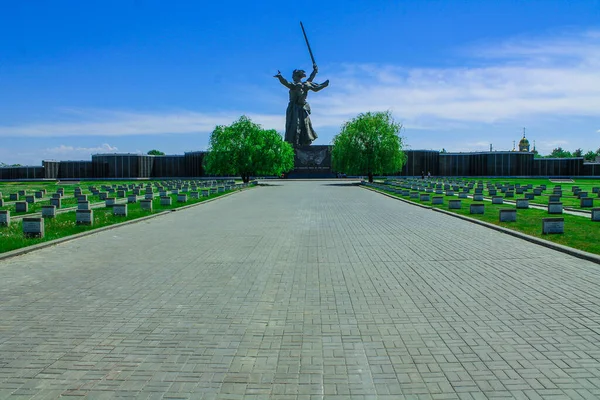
(307, 44)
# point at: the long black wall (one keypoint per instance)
(135, 166)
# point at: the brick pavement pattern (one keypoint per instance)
(300, 290)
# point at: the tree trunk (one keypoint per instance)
(245, 178)
(370, 177)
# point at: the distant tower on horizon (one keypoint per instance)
(524, 143)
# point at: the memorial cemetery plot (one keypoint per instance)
(536, 207)
(62, 210)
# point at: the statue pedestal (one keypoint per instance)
(312, 162)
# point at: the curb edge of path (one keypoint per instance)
(542, 242)
(39, 246)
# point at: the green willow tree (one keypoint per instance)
(369, 144)
(245, 149)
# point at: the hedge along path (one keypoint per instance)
(580, 232)
(64, 225)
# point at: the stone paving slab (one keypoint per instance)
(300, 290)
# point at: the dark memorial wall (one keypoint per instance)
(309, 162)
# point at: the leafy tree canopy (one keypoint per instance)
(156, 153)
(560, 153)
(245, 149)
(369, 144)
(590, 155)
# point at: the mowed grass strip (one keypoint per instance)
(63, 225)
(580, 232)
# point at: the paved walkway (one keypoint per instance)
(302, 290)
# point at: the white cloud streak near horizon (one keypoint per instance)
(542, 78)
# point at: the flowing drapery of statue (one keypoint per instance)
(298, 127)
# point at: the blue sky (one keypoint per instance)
(78, 78)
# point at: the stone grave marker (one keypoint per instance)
(196, 195)
(110, 202)
(581, 195)
(48, 211)
(493, 192)
(182, 198)
(33, 227)
(21, 206)
(84, 217)
(221, 189)
(497, 200)
(553, 226)
(22, 193)
(437, 200)
(132, 198)
(586, 202)
(166, 201)
(4, 217)
(39, 194)
(83, 205)
(595, 189)
(555, 208)
(476, 208)
(522, 203)
(120, 210)
(508, 215)
(414, 195)
(462, 195)
(149, 196)
(553, 198)
(454, 204)
(595, 214)
(425, 197)
(449, 192)
(537, 192)
(56, 202)
(103, 195)
(509, 194)
(478, 197)
(530, 196)
(120, 193)
(146, 204)
(30, 199)
(14, 197)
(1, 202)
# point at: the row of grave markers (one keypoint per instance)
(549, 225)
(34, 226)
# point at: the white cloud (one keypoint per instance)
(548, 78)
(63, 150)
(507, 83)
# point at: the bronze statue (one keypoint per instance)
(298, 128)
